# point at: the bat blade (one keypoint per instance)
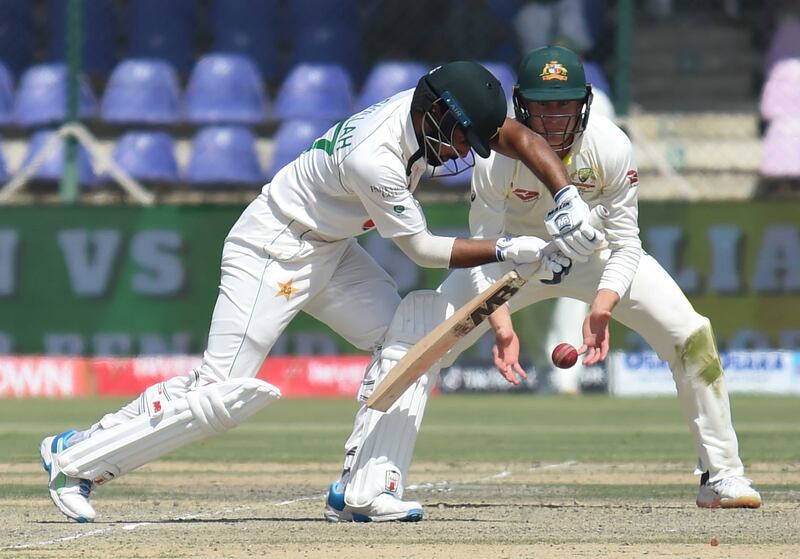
(434, 345)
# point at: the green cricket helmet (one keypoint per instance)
(473, 99)
(553, 74)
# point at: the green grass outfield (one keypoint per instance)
(497, 428)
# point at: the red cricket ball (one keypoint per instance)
(564, 356)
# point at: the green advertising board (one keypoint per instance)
(125, 280)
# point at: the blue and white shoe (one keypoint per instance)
(69, 494)
(384, 508)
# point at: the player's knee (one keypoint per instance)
(698, 355)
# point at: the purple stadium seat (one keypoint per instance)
(17, 34)
(147, 156)
(225, 88)
(3, 170)
(163, 29)
(318, 91)
(387, 78)
(6, 94)
(785, 43)
(42, 96)
(779, 155)
(142, 91)
(99, 34)
(53, 167)
(224, 155)
(248, 28)
(292, 138)
(781, 93)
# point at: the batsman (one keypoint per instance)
(554, 100)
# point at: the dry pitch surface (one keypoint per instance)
(180, 509)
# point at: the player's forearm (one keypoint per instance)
(605, 300)
(473, 252)
(501, 323)
(519, 142)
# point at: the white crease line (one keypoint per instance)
(553, 466)
(299, 499)
(136, 525)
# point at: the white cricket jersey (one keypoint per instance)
(508, 199)
(354, 178)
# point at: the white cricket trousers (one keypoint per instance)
(272, 268)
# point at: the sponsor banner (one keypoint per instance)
(315, 376)
(765, 372)
(483, 377)
(51, 377)
(130, 376)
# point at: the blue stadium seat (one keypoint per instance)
(504, 12)
(3, 169)
(292, 138)
(225, 88)
(249, 28)
(17, 34)
(144, 91)
(6, 94)
(596, 77)
(320, 91)
(42, 96)
(99, 34)
(147, 156)
(387, 78)
(53, 167)
(159, 29)
(223, 155)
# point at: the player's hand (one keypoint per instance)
(568, 224)
(595, 337)
(520, 250)
(506, 357)
(551, 266)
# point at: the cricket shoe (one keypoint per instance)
(730, 492)
(69, 494)
(384, 508)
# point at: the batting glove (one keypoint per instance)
(519, 250)
(568, 224)
(554, 265)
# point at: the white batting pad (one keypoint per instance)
(208, 410)
(384, 443)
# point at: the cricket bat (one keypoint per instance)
(434, 345)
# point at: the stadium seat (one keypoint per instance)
(292, 138)
(3, 169)
(320, 31)
(781, 94)
(387, 78)
(785, 43)
(147, 156)
(6, 94)
(596, 77)
(98, 34)
(142, 91)
(159, 29)
(780, 148)
(42, 96)
(223, 155)
(318, 91)
(53, 167)
(17, 34)
(225, 88)
(250, 29)
(504, 12)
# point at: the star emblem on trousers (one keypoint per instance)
(286, 289)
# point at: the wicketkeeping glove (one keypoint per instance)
(568, 223)
(554, 265)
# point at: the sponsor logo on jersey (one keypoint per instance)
(399, 209)
(367, 225)
(633, 177)
(392, 481)
(584, 174)
(525, 195)
(286, 290)
(554, 70)
(385, 191)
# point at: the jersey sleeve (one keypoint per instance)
(380, 183)
(620, 196)
(488, 199)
